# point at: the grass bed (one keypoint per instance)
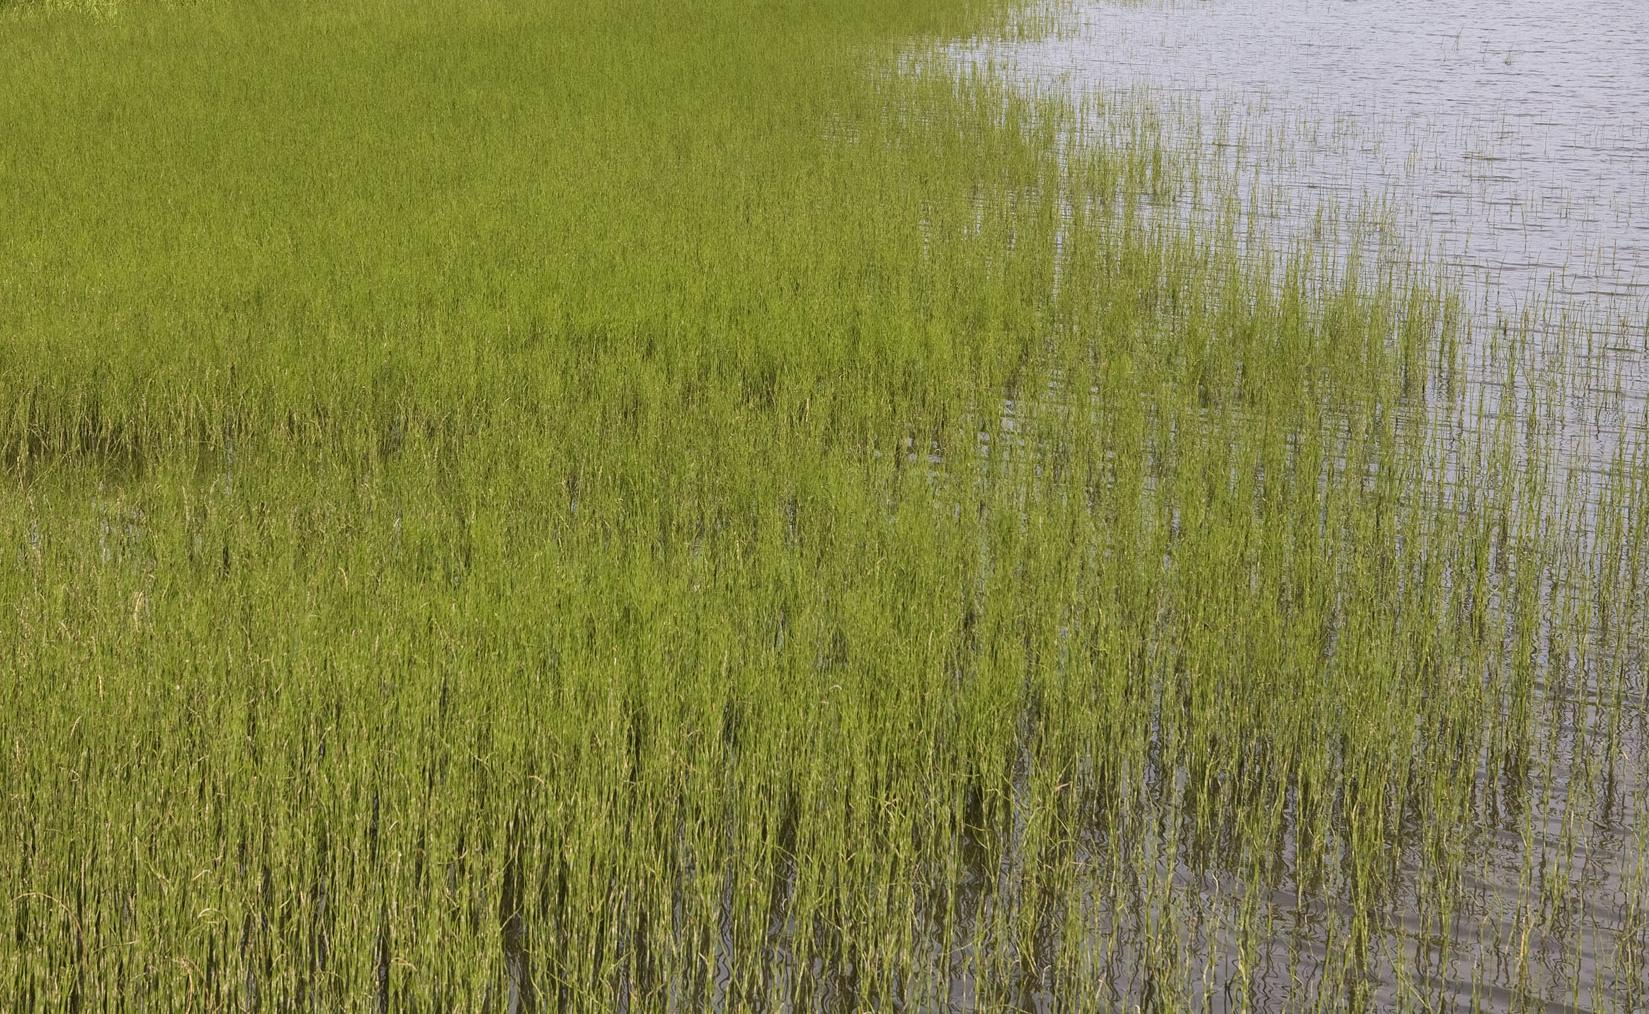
(681, 506)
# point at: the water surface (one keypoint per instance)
(1509, 138)
(1501, 146)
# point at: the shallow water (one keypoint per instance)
(1505, 142)
(1508, 137)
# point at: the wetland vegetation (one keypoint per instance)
(721, 506)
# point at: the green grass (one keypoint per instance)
(671, 502)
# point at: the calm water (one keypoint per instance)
(1503, 145)
(1508, 138)
(1500, 145)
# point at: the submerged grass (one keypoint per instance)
(682, 507)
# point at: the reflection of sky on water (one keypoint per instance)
(1510, 138)
(1505, 139)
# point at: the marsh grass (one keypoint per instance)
(663, 507)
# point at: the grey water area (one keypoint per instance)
(1501, 144)
(1500, 147)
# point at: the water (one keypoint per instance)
(1510, 137)
(1503, 147)
(1502, 144)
